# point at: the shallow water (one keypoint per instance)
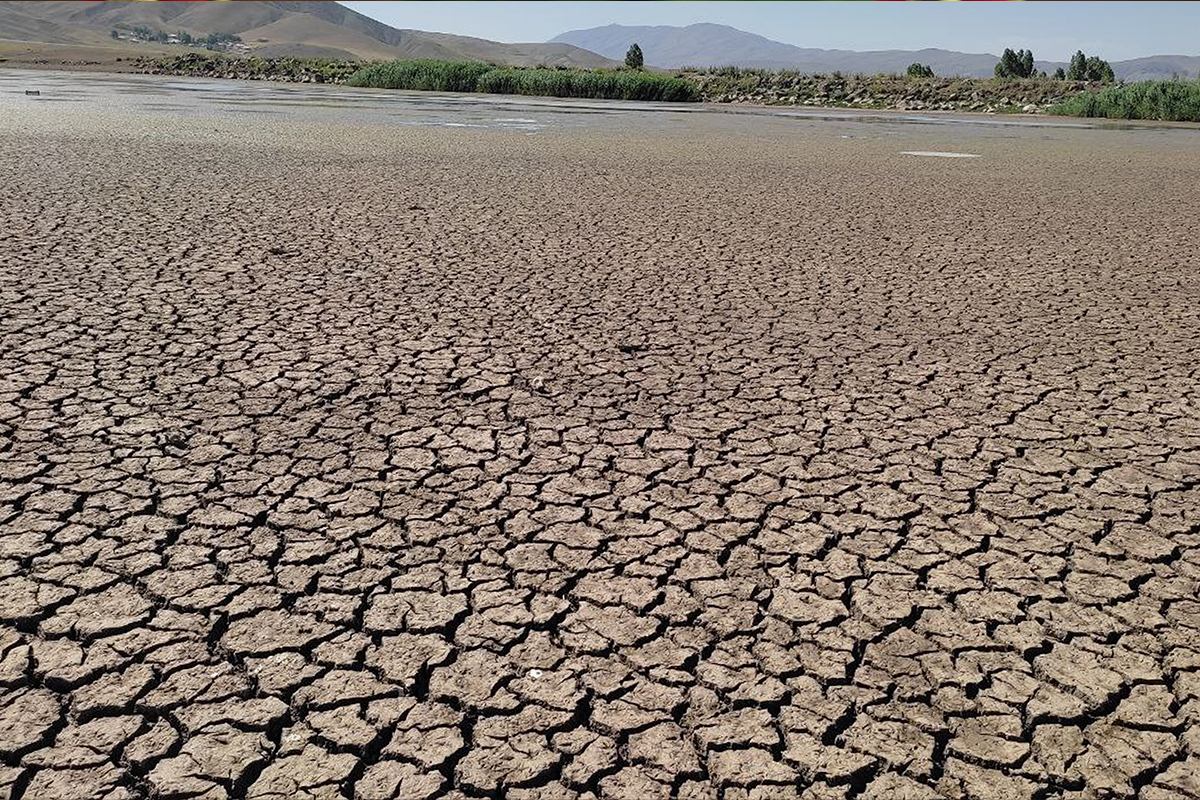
(937, 154)
(209, 96)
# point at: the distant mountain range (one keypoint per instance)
(270, 28)
(706, 45)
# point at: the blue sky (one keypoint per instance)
(1053, 30)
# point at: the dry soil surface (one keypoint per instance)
(118, 57)
(367, 447)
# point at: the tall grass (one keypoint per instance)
(425, 75)
(607, 84)
(1170, 101)
(474, 76)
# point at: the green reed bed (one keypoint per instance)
(473, 76)
(606, 84)
(1169, 101)
(425, 75)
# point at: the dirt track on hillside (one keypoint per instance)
(719, 458)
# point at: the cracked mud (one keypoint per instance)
(689, 457)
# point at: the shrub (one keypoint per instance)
(633, 57)
(916, 70)
(1171, 101)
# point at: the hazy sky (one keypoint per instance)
(1053, 30)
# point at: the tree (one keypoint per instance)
(1089, 68)
(1026, 63)
(633, 57)
(916, 70)
(1015, 65)
(115, 35)
(1077, 69)
(1059, 75)
(1099, 70)
(1007, 66)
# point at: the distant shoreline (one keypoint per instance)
(727, 86)
(732, 86)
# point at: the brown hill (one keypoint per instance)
(24, 22)
(270, 27)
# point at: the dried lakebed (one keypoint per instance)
(357, 446)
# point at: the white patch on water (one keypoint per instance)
(937, 154)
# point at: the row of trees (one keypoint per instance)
(212, 40)
(1019, 64)
(1015, 65)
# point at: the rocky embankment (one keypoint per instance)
(884, 91)
(720, 86)
(289, 70)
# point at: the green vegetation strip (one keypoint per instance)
(1169, 101)
(473, 76)
(1176, 101)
